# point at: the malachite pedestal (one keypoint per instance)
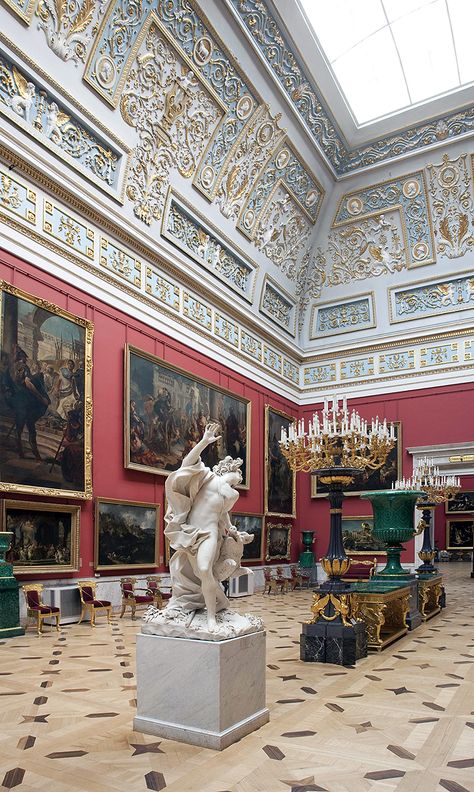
(306, 559)
(9, 605)
(393, 524)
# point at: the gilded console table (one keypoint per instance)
(429, 593)
(383, 608)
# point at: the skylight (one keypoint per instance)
(388, 55)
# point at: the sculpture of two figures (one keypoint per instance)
(208, 549)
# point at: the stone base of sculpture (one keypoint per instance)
(206, 693)
(180, 624)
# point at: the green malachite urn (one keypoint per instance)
(9, 605)
(306, 559)
(393, 524)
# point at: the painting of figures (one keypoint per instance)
(166, 411)
(126, 534)
(459, 534)
(280, 480)
(253, 524)
(278, 542)
(357, 536)
(45, 384)
(460, 503)
(45, 536)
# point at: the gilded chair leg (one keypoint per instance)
(40, 626)
(133, 612)
(93, 618)
(108, 615)
(123, 610)
(82, 615)
(57, 622)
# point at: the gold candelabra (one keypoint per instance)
(337, 438)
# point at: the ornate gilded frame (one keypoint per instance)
(131, 350)
(452, 502)
(278, 556)
(88, 327)
(258, 517)
(54, 508)
(399, 457)
(156, 559)
(369, 551)
(466, 547)
(290, 419)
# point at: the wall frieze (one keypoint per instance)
(333, 318)
(453, 206)
(431, 297)
(278, 305)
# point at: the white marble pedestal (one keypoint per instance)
(207, 693)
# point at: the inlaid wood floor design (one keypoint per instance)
(401, 720)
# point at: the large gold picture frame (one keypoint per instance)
(460, 534)
(126, 534)
(45, 536)
(357, 536)
(45, 398)
(280, 480)
(278, 542)
(251, 523)
(166, 410)
(380, 479)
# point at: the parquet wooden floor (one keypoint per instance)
(401, 720)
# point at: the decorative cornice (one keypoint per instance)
(276, 49)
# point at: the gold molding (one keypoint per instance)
(283, 293)
(155, 506)
(350, 299)
(448, 523)
(25, 16)
(288, 527)
(422, 282)
(267, 513)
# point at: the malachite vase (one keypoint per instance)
(306, 558)
(9, 605)
(393, 524)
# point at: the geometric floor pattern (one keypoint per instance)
(400, 720)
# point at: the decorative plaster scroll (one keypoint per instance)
(363, 250)
(69, 26)
(252, 346)
(432, 298)
(272, 359)
(406, 194)
(174, 116)
(354, 369)
(450, 190)
(45, 118)
(291, 372)
(278, 306)
(271, 40)
(439, 355)
(319, 374)
(17, 198)
(206, 245)
(309, 281)
(24, 8)
(397, 361)
(227, 329)
(197, 311)
(162, 289)
(68, 230)
(244, 163)
(283, 231)
(117, 260)
(356, 313)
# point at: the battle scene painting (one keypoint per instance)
(166, 412)
(280, 480)
(45, 383)
(252, 524)
(126, 534)
(45, 536)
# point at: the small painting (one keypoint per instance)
(45, 397)
(357, 536)
(278, 542)
(253, 524)
(166, 412)
(459, 534)
(462, 502)
(379, 479)
(126, 534)
(280, 480)
(45, 536)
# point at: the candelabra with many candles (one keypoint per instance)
(337, 447)
(438, 488)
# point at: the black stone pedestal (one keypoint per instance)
(414, 617)
(331, 642)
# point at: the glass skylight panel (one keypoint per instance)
(388, 55)
(371, 90)
(429, 60)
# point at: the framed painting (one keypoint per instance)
(126, 534)
(459, 534)
(278, 542)
(45, 536)
(45, 397)
(166, 411)
(280, 480)
(461, 503)
(380, 479)
(357, 536)
(253, 524)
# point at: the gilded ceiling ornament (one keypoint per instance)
(69, 25)
(282, 232)
(365, 249)
(451, 196)
(310, 280)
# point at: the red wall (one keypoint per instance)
(430, 416)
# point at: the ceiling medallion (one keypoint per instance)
(265, 133)
(106, 72)
(202, 50)
(249, 219)
(311, 198)
(448, 176)
(354, 205)
(207, 177)
(244, 107)
(420, 251)
(411, 188)
(282, 158)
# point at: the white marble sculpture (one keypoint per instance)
(208, 549)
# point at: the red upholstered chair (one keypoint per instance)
(155, 589)
(130, 598)
(360, 569)
(282, 581)
(296, 578)
(89, 602)
(35, 608)
(273, 584)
